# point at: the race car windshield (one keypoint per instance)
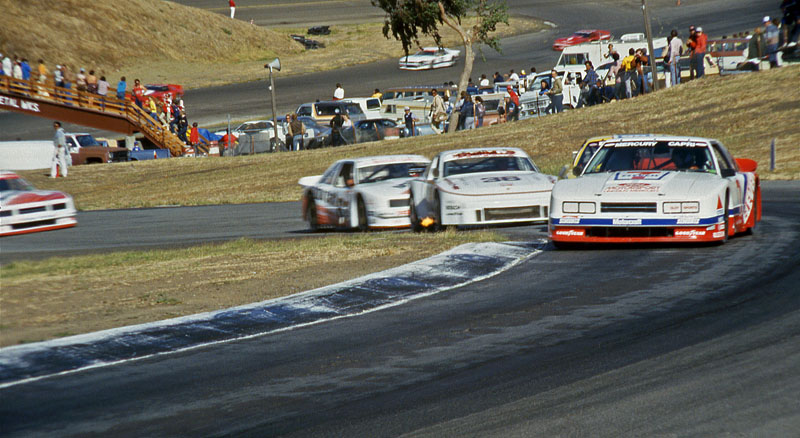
(486, 164)
(651, 155)
(15, 184)
(382, 172)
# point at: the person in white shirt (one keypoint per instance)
(512, 77)
(675, 50)
(338, 93)
(7, 66)
(484, 81)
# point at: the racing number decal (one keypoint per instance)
(490, 179)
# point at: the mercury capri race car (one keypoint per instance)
(657, 189)
(361, 193)
(479, 187)
(24, 209)
(430, 58)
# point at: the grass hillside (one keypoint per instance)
(746, 112)
(111, 35)
(161, 41)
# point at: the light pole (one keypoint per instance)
(276, 64)
(650, 46)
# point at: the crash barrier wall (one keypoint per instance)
(86, 109)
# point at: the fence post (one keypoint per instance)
(772, 156)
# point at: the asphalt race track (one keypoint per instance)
(673, 341)
(250, 100)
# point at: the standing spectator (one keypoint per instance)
(138, 93)
(556, 94)
(484, 81)
(589, 91)
(699, 53)
(102, 90)
(691, 43)
(336, 128)
(194, 136)
(26, 69)
(338, 93)
(467, 110)
(58, 76)
(60, 152)
(497, 77)
(459, 104)
(628, 68)
(7, 66)
(512, 112)
(377, 94)
(17, 69)
(611, 51)
(80, 81)
(122, 86)
(43, 72)
(296, 129)
(642, 60)
(438, 112)
(232, 5)
(675, 52)
(772, 38)
(513, 76)
(480, 110)
(91, 82)
(616, 72)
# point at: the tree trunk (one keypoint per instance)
(469, 58)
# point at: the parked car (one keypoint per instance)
(23, 209)
(430, 58)
(657, 189)
(373, 130)
(361, 193)
(84, 149)
(480, 186)
(316, 136)
(255, 127)
(323, 112)
(581, 36)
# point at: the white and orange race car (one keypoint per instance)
(24, 209)
(361, 193)
(657, 189)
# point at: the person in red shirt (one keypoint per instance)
(138, 93)
(699, 53)
(194, 136)
(513, 115)
(233, 7)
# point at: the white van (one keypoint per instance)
(573, 58)
(371, 106)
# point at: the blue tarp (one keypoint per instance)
(208, 135)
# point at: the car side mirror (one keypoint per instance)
(727, 173)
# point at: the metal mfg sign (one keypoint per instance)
(19, 104)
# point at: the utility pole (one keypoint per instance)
(649, 34)
(276, 64)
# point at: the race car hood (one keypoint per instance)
(16, 197)
(497, 183)
(633, 185)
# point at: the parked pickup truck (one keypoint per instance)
(84, 149)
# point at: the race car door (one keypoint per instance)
(738, 183)
(342, 194)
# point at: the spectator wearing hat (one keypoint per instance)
(410, 121)
(336, 128)
(512, 109)
(699, 52)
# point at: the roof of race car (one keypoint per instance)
(482, 152)
(5, 174)
(387, 159)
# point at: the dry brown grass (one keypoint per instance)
(160, 41)
(745, 112)
(61, 296)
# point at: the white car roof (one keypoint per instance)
(482, 152)
(656, 137)
(387, 159)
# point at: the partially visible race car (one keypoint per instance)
(361, 193)
(160, 90)
(430, 58)
(581, 36)
(480, 186)
(657, 189)
(24, 209)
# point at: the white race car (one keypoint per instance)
(657, 189)
(361, 193)
(430, 58)
(24, 209)
(479, 187)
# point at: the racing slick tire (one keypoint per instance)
(754, 213)
(362, 224)
(311, 216)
